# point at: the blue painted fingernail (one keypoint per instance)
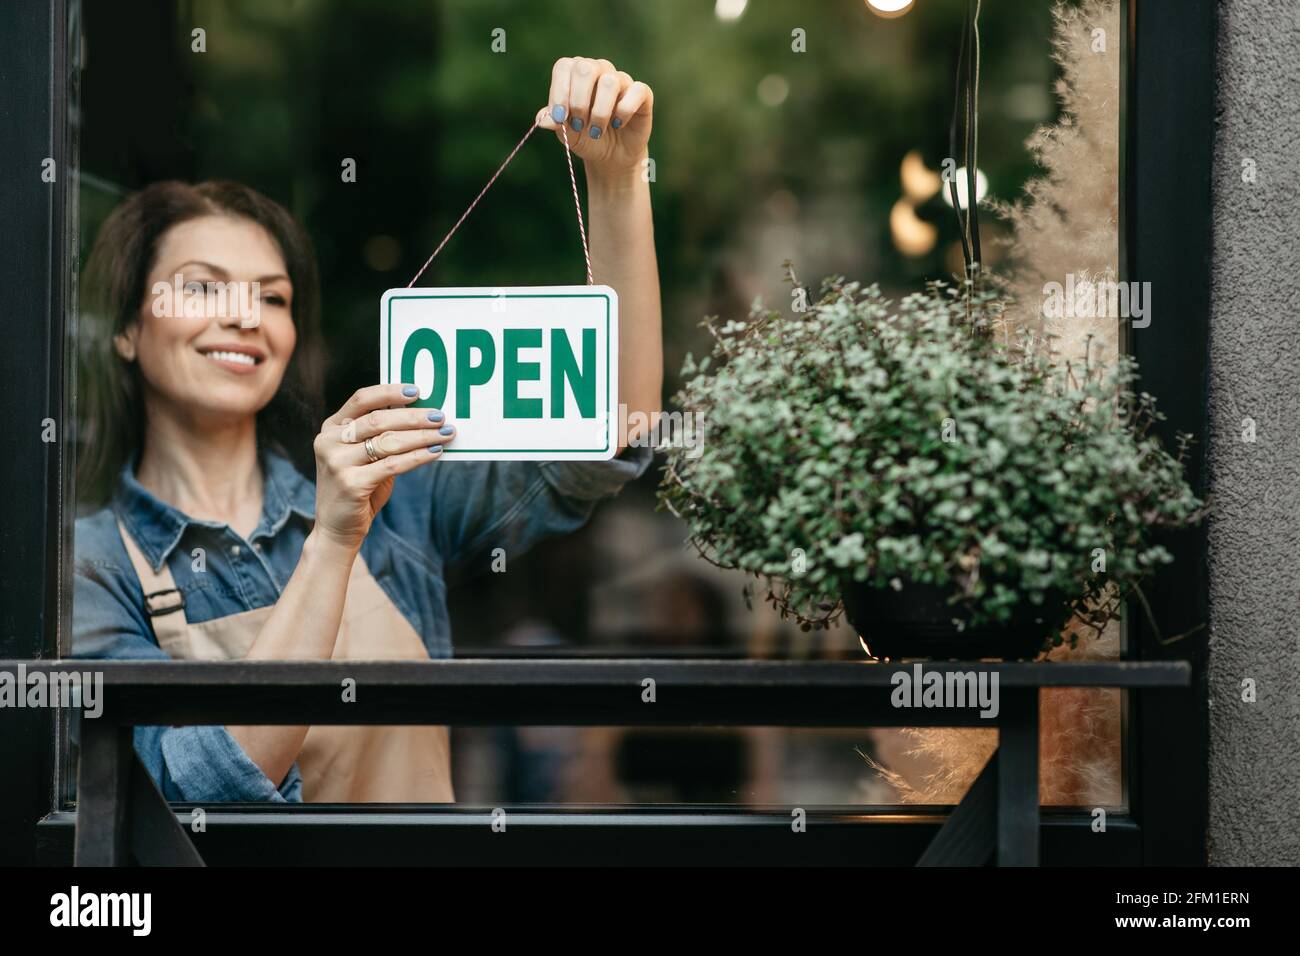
(435, 449)
(595, 132)
(410, 391)
(435, 416)
(558, 112)
(576, 123)
(446, 430)
(615, 123)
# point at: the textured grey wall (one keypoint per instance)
(1255, 373)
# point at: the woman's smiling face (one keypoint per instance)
(217, 352)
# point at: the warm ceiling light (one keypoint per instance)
(919, 182)
(981, 187)
(889, 8)
(729, 9)
(912, 235)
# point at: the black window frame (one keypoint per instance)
(1167, 127)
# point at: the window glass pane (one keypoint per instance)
(811, 133)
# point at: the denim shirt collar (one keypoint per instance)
(157, 527)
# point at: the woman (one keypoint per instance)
(212, 545)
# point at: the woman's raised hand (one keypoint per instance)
(350, 487)
(608, 114)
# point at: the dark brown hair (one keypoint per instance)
(110, 407)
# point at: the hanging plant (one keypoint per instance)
(864, 447)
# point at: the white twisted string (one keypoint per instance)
(577, 204)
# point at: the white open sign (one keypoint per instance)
(525, 373)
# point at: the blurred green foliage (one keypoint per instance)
(412, 90)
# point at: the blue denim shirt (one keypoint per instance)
(445, 515)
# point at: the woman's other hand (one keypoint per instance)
(607, 113)
(350, 488)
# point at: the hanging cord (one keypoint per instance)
(577, 204)
(952, 147)
(972, 135)
(573, 181)
(966, 106)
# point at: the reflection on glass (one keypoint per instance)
(826, 157)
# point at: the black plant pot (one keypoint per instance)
(917, 622)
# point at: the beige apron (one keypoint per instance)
(362, 764)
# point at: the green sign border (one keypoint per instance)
(522, 295)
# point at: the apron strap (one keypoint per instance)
(163, 601)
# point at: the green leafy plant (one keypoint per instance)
(872, 441)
